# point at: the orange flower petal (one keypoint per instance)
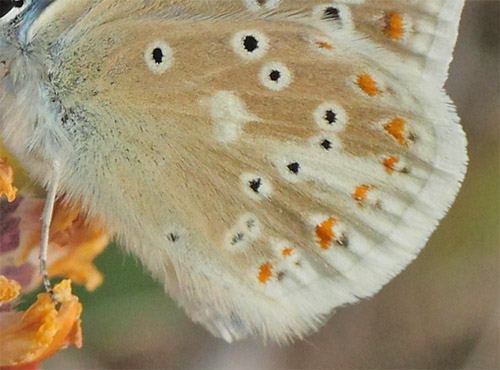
(81, 242)
(32, 366)
(6, 180)
(23, 181)
(42, 330)
(78, 264)
(9, 289)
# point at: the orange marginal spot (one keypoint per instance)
(394, 27)
(325, 233)
(42, 330)
(368, 85)
(389, 163)
(9, 289)
(287, 252)
(396, 129)
(6, 180)
(361, 193)
(265, 272)
(324, 45)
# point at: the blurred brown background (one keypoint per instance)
(441, 313)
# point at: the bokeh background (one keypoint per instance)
(441, 313)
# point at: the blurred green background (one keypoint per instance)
(442, 312)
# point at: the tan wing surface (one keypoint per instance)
(261, 165)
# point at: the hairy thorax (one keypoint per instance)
(29, 115)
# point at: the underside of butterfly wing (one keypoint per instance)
(268, 161)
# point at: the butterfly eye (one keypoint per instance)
(275, 76)
(256, 5)
(330, 116)
(6, 6)
(159, 57)
(250, 44)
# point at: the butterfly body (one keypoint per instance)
(268, 161)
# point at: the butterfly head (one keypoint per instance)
(25, 67)
(8, 6)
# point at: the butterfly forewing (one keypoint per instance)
(269, 160)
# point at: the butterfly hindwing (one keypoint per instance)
(263, 159)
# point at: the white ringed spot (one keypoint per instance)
(255, 186)
(330, 116)
(159, 56)
(250, 44)
(275, 76)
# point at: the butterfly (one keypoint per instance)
(267, 160)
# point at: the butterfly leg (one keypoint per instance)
(48, 211)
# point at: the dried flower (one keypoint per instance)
(30, 337)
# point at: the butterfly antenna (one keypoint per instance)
(48, 211)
